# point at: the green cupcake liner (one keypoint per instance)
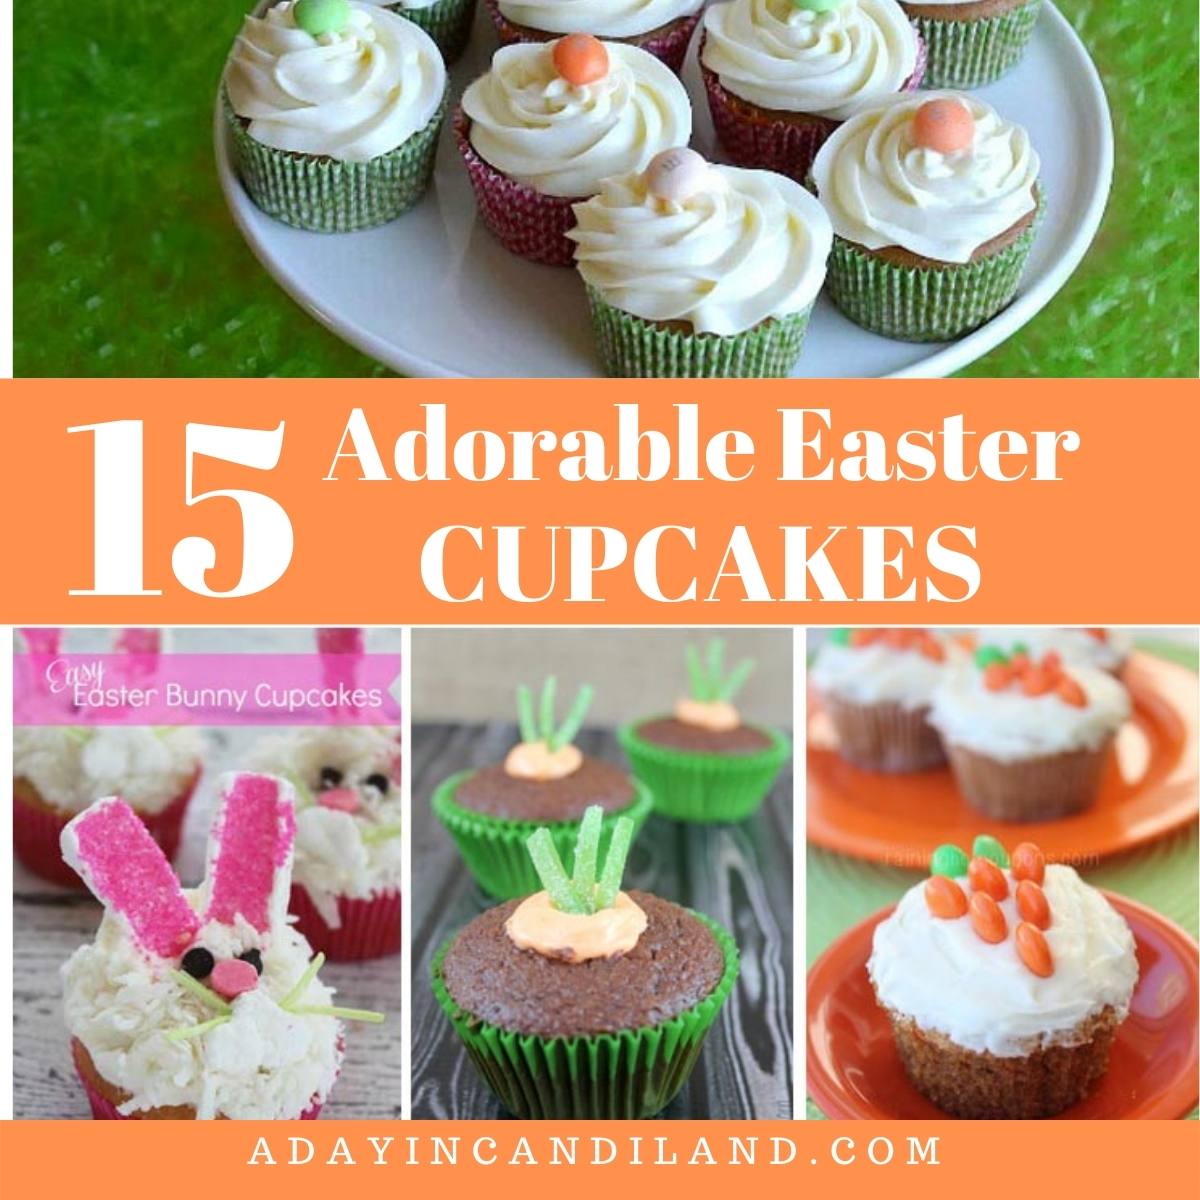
(494, 848)
(970, 53)
(448, 22)
(701, 787)
(925, 304)
(624, 1076)
(632, 348)
(326, 196)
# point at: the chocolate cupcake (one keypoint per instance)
(703, 763)
(544, 781)
(582, 1001)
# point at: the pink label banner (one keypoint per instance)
(206, 689)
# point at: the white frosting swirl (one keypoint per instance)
(603, 18)
(828, 64)
(1009, 725)
(879, 674)
(562, 140)
(350, 96)
(747, 246)
(1075, 645)
(980, 995)
(882, 190)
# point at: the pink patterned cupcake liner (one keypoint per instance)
(752, 138)
(368, 928)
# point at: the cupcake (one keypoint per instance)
(973, 42)
(544, 781)
(877, 686)
(346, 879)
(934, 203)
(583, 1001)
(1005, 982)
(660, 27)
(58, 770)
(703, 763)
(549, 121)
(333, 108)
(699, 271)
(781, 75)
(1028, 739)
(199, 1004)
(448, 22)
(1105, 649)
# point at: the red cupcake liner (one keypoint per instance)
(369, 928)
(523, 220)
(670, 43)
(754, 139)
(36, 831)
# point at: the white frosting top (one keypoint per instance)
(1009, 725)
(747, 246)
(1075, 645)
(562, 140)
(882, 190)
(878, 674)
(71, 766)
(350, 96)
(980, 995)
(603, 18)
(830, 64)
(264, 1064)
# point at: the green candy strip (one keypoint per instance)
(716, 660)
(695, 672)
(346, 1014)
(571, 726)
(184, 1032)
(529, 732)
(546, 719)
(301, 985)
(550, 871)
(614, 863)
(986, 846)
(737, 677)
(587, 850)
(204, 993)
(705, 676)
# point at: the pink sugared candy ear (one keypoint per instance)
(944, 125)
(250, 851)
(138, 641)
(42, 641)
(128, 873)
(340, 641)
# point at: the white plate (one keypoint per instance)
(434, 294)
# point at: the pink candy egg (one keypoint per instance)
(340, 800)
(580, 58)
(676, 174)
(232, 977)
(943, 125)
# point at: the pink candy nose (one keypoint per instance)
(232, 977)
(340, 800)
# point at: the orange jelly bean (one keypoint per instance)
(1034, 949)
(986, 918)
(1052, 661)
(984, 876)
(1032, 904)
(580, 58)
(1028, 862)
(1037, 681)
(944, 898)
(864, 637)
(1019, 663)
(997, 676)
(932, 648)
(1069, 692)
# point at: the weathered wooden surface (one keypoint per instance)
(740, 875)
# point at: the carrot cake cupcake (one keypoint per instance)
(877, 686)
(1028, 738)
(934, 200)
(781, 75)
(1106, 649)
(582, 1001)
(1005, 982)
(973, 42)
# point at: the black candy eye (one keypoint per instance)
(380, 783)
(254, 958)
(331, 777)
(198, 962)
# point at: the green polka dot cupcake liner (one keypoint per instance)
(632, 348)
(323, 195)
(625, 1076)
(494, 848)
(448, 22)
(704, 788)
(970, 53)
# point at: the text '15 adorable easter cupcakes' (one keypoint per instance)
(934, 201)
(545, 781)
(877, 686)
(781, 75)
(1028, 739)
(1005, 982)
(199, 1004)
(700, 271)
(549, 121)
(334, 108)
(448, 22)
(581, 1001)
(703, 763)
(972, 42)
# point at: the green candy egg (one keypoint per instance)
(316, 17)
(986, 655)
(950, 861)
(839, 637)
(818, 6)
(986, 846)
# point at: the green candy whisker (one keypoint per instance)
(381, 833)
(184, 1032)
(204, 993)
(301, 985)
(345, 1014)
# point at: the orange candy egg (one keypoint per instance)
(1069, 692)
(984, 876)
(986, 918)
(1032, 904)
(943, 125)
(944, 898)
(1034, 949)
(580, 58)
(1028, 862)
(997, 676)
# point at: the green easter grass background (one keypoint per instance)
(126, 262)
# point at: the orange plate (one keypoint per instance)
(1151, 788)
(854, 1070)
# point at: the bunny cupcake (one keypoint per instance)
(346, 882)
(201, 1004)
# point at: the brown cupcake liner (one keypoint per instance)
(885, 736)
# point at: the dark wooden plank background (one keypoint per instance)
(741, 875)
